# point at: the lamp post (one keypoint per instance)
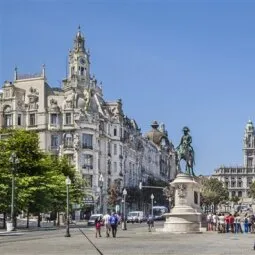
(14, 160)
(152, 197)
(68, 182)
(101, 183)
(124, 226)
(122, 201)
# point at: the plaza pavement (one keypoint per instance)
(136, 240)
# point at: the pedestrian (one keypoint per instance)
(107, 224)
(114, 223)
(246, 224)
(98, 226)
(150, 222)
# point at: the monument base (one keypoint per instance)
(185, 217)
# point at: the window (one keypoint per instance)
(69, 158)
(115, 131)
(54, 141)
(115, 149)
(87, 161)
(239, 184)
(226, 184)
(121, 150)
(115, 166)
(233, 194)
(240, 194)
(109, 148)
(68, 119)
(249, 162)
(233, 184)
(109, 166)
(7, 93)
(32, 119)
(7, 116)
(87, 141)
(19, 119)
(53, 119)
(88, 179)
(82, 70)
(8, 120)
(68, 140)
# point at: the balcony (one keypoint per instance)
(86, 146)
(86, 166)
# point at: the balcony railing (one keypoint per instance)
(86, 146)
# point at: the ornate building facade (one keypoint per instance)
(76, 122)
(239, 179)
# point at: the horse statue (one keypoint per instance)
(184, 151)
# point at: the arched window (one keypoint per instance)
(240, 193)
(7, 116)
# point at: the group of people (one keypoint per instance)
(225, 223)
(110, 222)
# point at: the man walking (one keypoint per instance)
(107, 224)
(114, 223)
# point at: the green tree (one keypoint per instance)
(235, 199)
(252, 190)
(40, 180)
(213, 191)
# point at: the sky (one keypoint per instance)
(182, 63)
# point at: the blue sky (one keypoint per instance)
(178, 62)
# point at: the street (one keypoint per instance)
(136, 240)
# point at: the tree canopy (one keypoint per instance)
(39, 178)
(213, 191)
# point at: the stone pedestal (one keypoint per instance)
(185, 217)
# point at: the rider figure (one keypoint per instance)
(186, 141)
(185, 151)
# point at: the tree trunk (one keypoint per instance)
(4, 220)
(27, 218)
(58, 220)
(15, 221)
(39, 220)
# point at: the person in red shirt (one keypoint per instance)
(231, 222)
(227, 223)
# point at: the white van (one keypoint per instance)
(136, 216)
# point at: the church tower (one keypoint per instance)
(248, 145)
(79, 64)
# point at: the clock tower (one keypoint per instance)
(79, 64)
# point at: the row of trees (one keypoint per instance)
(39, 177)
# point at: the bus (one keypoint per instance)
(159, 211)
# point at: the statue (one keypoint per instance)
(184, 151)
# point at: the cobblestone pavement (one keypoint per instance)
(136, 240)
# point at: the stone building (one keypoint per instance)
(76, 122)
(238, 179)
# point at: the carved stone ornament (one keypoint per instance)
(181, 190)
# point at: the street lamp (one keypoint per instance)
(152, 197)
(124, 226)
(68, 182)
(101, 183)
(14, 160)
(122, 202)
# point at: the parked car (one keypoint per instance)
(136, 216)
(93, 217)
